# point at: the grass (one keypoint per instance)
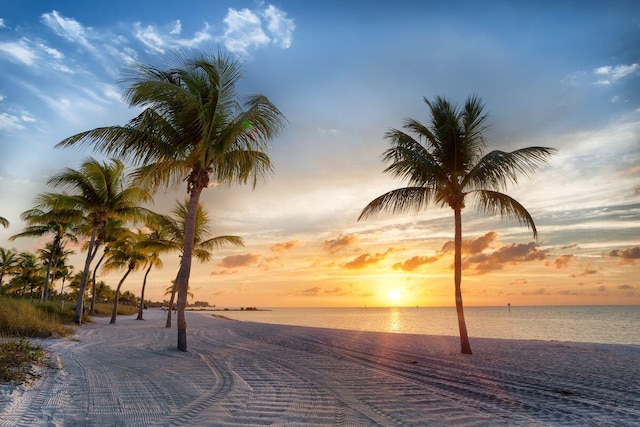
(20, 318)
(123, 310)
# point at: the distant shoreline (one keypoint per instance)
(226, 309)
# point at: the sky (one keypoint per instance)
(551, 73)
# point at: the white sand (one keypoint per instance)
(240, 373)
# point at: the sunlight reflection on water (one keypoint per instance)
(597, 324)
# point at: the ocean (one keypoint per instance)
(594, 324)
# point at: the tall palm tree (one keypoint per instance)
(194, 128)
(173, 228)
(99, 191)
(125, 254)
(61, 223)
(444, 162)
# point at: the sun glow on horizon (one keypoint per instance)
(394, 295)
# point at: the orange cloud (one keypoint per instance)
(339, 244)
(365, 260)
(563, 261)
(628, 256)
(415, 262)
(233, 261)
(279, 247)
(474, 246)
(510, 254)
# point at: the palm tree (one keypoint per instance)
(4, 222)
(51, 220)
(173, 227)
(153, 260)
(29, 274)
(112, 230)
(444, 163)
(100, 193)
(125, 254)
(53, 259)
(194, 128)
(8, 263)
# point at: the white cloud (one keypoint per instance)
(2, 24)
(55, 53)
(158, 41)
(245, 29)
(611, 74)
(10, 122)
(68, 28)
(177, 29)
(19, 51)
(150, 37)
(279, 26)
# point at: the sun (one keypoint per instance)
(394, 295)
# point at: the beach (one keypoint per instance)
(254, 374)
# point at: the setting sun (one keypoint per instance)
(394, 295)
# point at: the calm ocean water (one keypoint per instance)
(596, 324)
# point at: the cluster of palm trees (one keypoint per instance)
(194, 128)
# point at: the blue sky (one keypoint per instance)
(560, 74)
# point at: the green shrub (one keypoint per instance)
(16, 359)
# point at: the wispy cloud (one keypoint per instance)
(609, 74)
(20, 51)
(68, 28)
(162, 39)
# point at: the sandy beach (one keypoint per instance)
(250, 374)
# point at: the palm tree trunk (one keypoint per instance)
(144, 284)
(172, 299)
(92, 309)
(114, 312)
(77, 318)
(45, 289)
(185, 265)
(464, 337)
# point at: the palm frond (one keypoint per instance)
(402, 200)
(498, 168)
(496, 203)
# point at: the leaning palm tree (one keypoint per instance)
(173, 228)
(100, 192)
(444, 163)
(61, 223)
(153, 259)
(125, 254)
(112, 230)
(194, 128)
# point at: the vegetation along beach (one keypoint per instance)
(319, 213)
